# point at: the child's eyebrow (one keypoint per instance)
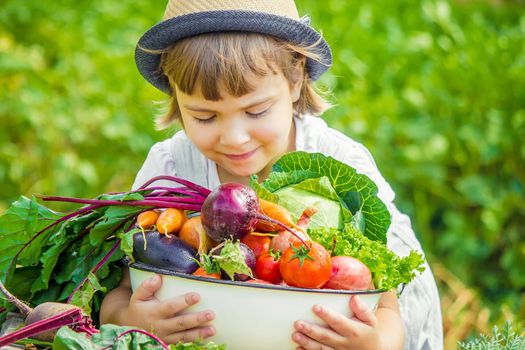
(197, 109)
(250, 105)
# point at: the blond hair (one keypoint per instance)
(215, 60)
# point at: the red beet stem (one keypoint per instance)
(66, 318)
(20, 305)
(172, 199)
(280, 224)
(174, 203)
(185, 191)
(204, 191)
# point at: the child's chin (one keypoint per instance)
(245, 172)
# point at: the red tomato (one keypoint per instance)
(306, 268)
(201, 271)
(267, 268)
(259, 244)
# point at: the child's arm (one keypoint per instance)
(365, 330)
(142, 309)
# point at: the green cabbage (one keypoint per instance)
(341, 195)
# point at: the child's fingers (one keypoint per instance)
(340, 323)
(186, 322)
(171, 307)
(361, 312)
(147, 289)
(190, 335)
(315, 333)
(307, 343)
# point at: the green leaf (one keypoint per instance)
(18, 225)
(83, 296)
(296, 200)
(126, 244)
(231, 259)
(67, 339)
(114, 217)
(110, 336)
(388, 270)
(354, 191)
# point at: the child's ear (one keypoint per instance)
(297, 79)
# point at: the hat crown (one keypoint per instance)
(285, 8)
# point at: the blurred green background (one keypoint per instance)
(435, 89)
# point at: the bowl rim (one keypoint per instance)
(145, 267)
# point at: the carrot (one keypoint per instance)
(147, 219)
(276, 212)
(170, 221)
(194, 234)
(201, 271)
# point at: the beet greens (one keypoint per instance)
(74, 257)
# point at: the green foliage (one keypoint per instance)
(434, 88)
(44, 259)
(504, 339)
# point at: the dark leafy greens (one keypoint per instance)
(56, 262)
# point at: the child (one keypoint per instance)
(239, 73)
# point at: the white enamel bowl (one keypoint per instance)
(248, 315)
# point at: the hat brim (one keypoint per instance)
(170, 31)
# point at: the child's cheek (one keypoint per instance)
(202, 137)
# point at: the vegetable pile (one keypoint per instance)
(313, 223)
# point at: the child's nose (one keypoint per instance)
(234, 134)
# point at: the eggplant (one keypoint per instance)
(167, 252)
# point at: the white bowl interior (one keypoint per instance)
(252, 316)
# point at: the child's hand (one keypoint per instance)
(160, 317)
(358, 332)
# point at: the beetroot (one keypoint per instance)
(43, 321)
(231, 211)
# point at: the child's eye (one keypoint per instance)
(257, 115)
(205, 120)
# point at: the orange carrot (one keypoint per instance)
(147, 219)
(194, 234)
(201, 271)
(276, 212)
(170, 221)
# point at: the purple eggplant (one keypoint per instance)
(167, 252)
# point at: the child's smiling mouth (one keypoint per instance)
(241, 156)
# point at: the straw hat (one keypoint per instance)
(185, 18)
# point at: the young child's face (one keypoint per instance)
(243, 135)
